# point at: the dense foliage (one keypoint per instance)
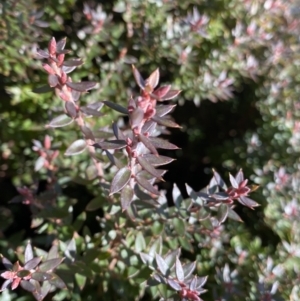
(83, 206)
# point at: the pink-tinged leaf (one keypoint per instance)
(73, 63)
(77, 147)
(233, 215)
(161, 92)
(15, 283)
(68, 70)
(31, 264)
(146, 185)
(179, 270)
(50, 264)
(164, 110)
(42, 89)
(71, 109)
(126, 197)
(42, 54)
(27, 286)
(52, 80)
(161, 143)
(39, 163)
(138, 78)
(189, 269)
(174, 285)
(149, 126)
(41, 276)
(148, 167)
(7, 264)
(136, 117)
(63, 95)
(165, 122)
(170, 95)
(247, 202)
(193, 284)
(23, 273)
(48, 69)
(239, 176)
(75, 95)
(88, 134)
(152, 80)
(57, 282)
(60, 45)
(220, 182)
(82, 86)
(233, 181)
(5, 285)
(157, 160)
(148, 144)
(162, 265)
(120, 179)
(7, 275)
(116, 107)
(28, 252)
(118, 133)
(222, 213)
(200, 282)
(91, 112)
(60, 121)
(115, 161)
(111, 144)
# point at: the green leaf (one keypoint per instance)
(95, 203)
(41, 276)
(140, 243)
(81, 281)
(50, 264)
(179, 226)
(127, 195)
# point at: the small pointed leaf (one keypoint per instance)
(170, 95)
(161, 143)
(127, 195)
(165, 122)
(161, 264)
(50, 264)
(164, 110)
(146, 185)
(179, 270)
(31, 264)
(41, 276)
(136, 117)
(157, 160)
(148, 144)
(77, 147)
(116, 107)
(71, 109)
(152, 80)
(60, 121)
(138, 78)
(121, 178)
(27, 286)
(82, 86)
(233, 181)
(148, 167)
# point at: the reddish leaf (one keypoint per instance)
(163, 110)
(170, 95)
(60, 121)
(120, 179)
(148, 144)
(146, 185)
(136, 117)
(247, 202)
(7, 264)
(71, 109)
(42, 54)
(138, 78)
(7, 275)
(165, 122)
(50, 264)
(126, 197)
(161, 92)
(160, 143)
(148, 167)
(111, 144)
(152, 80)
(77, 147)
(82, 86)
(52, 80)
(158, 160)
(31, 264)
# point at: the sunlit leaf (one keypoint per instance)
(77, 147)
(60, 121)
(120, 179)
